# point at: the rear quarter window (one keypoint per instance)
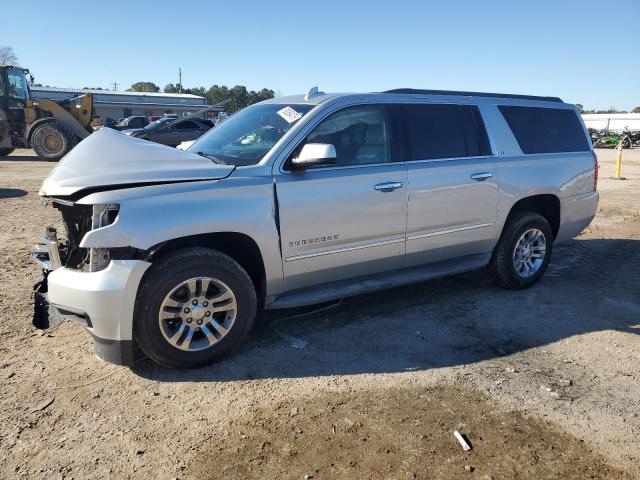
(433, 131)
(545, 130)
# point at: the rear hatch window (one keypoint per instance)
(545, 130)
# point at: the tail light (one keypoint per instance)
(595, 170)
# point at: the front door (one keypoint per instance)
(349, 219)
(453, 190)
(17, 96)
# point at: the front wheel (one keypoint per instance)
(52, 141)
(194, 306)
(523, 252)
(5, 152)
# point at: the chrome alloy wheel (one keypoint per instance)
(529, 253)
(197, 313)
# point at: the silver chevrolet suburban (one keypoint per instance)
(301, 200)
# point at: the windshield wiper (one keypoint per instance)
(211, 157)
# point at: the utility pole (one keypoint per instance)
(115, 86)
(180, 80)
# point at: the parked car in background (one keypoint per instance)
(136, 121)
(173, 132)
(185, 145)
(108, 122)
(306, 199)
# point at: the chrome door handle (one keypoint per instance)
(388, 186)
(481, 176)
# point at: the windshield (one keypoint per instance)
(157, 123)
(246, 137)
(17, 84)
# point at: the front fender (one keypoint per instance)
(238, 205)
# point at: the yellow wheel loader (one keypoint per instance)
(51, 128)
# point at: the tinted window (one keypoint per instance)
(359, 134)
(443, 131)
(136, 122)
(186, 125)
(206, 123)
(545, 130)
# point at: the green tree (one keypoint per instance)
(636, 110)
(144, 87)
(238, 97)
(200, 91)
(217, 94)
(171, 88)
(264, 94)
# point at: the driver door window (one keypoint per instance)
(360, 135)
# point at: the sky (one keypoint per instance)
(582, 51)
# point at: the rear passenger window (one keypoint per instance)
(443, 131)
(545, 130)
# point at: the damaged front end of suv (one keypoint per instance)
(51, 252)
(92, 269)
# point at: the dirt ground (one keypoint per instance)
(544, 383)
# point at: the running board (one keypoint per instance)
(381, 281)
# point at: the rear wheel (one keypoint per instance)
(193, 307)
(523, 252)
(5, 152)
(52, 141)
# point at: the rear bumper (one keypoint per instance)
(576, 214)
(103, 302)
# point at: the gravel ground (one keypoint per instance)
(550, 373)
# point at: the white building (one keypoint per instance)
(616, 122)
(115, 105)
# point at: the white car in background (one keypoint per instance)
(185, 145)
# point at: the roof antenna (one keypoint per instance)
(313, 92)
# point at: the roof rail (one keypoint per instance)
(415, 91)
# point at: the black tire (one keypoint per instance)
(167, 273)
(52, 141)
(5, 152)
(502, 262)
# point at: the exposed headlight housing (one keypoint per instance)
(102, 216)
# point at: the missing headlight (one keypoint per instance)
(102, 216)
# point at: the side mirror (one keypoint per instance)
(313, 154)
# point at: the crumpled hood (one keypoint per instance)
(107, 157)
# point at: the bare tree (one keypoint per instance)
(7, 56)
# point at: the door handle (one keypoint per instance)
(388, 186)
(481, 176)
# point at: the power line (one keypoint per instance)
(115, 86)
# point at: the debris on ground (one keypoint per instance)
(462, 441)
(42, 405)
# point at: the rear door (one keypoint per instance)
(346, 220)
(453, 190)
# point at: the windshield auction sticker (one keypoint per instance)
(289, 114)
